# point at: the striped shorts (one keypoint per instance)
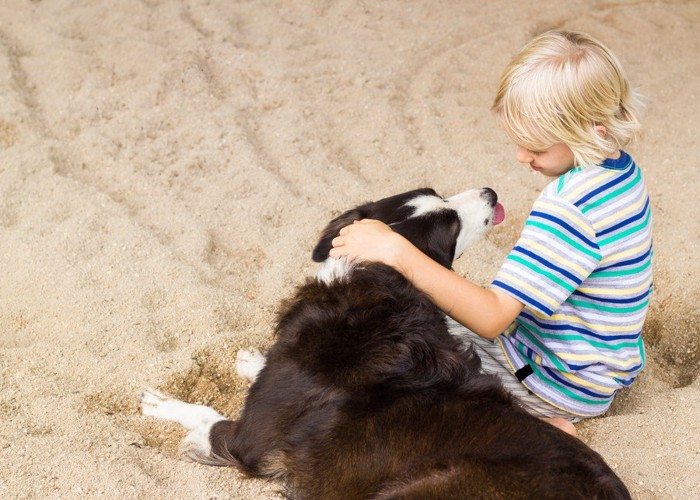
(494, 362)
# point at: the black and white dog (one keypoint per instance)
(365, 394)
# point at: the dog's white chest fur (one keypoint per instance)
(333, 269)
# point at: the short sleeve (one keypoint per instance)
(555, 253)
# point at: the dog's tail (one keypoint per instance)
(218, 452)
(204, 445)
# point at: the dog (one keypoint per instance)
(365, 394)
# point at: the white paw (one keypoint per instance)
(249, 363)
(156, 404)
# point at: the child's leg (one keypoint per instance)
(493, 361)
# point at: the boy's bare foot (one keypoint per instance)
(562, 424)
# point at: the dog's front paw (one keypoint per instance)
(154, 403)
(249, 363)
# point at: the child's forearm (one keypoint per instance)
(485, 311)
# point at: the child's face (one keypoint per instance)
(552, 162)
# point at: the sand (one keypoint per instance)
(165, 168)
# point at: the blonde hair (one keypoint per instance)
(559, 88)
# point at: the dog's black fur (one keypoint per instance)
(365, 394)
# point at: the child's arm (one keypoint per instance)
(485, 311)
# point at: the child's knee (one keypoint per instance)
(562, 424)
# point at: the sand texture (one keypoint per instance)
(165, 168)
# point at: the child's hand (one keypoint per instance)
(369, 240)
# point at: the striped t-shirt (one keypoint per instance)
(582, 267)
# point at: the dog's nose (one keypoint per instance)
(489, 195)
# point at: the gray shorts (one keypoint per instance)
(493, 361)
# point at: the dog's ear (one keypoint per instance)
(433, 234)
(324, 245)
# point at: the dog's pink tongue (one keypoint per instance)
(499, 214)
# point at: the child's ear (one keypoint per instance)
(600, 130)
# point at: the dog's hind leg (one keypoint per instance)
(198, 419)
(249, 363)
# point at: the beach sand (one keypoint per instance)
(165, 169)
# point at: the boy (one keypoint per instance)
(561, 323)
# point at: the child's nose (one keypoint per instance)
(523, 155)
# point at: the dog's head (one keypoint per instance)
(442, 228)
